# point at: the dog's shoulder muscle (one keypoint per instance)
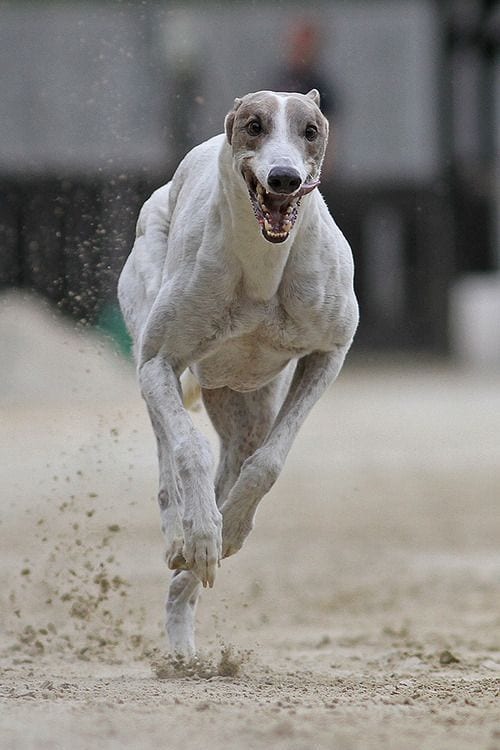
(317, 288)
(141, 276)
(157, 252)
(151, 245)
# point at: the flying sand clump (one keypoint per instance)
(229, 664)
(78, 582)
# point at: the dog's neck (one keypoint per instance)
(262, 263)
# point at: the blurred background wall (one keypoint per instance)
(99, 101)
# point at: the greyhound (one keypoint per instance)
(240, 276)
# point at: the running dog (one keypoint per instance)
(239, 275)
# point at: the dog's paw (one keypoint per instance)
(202, 549)
(236, 528)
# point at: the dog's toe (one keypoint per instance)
(205, 560)
(237, 527)
(202, 552)
(174, 555)
(177, 562)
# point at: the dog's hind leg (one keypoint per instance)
(182, 599)
(242, 421)
(184, 588)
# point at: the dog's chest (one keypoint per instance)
(281, 326)
(255, 342)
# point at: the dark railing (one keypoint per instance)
(67, 240)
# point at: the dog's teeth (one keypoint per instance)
(274, 235)
(260, 198)
(287, 225)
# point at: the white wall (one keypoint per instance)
(76, 91)
(382, 57)
(85, 85)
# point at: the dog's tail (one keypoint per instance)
(191, 391)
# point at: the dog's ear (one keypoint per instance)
(229, 121)
(314, 95)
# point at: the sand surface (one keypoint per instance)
(362, 614)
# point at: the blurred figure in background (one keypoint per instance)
(302, 71)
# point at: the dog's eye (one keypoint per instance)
(254, 127)
(311, 132)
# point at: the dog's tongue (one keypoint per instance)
(308, 187)
(275, 202)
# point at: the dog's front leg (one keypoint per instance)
(313, 375)
(192, 459)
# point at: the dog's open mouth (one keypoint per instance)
(275, 212)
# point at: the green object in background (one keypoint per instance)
(110, 322)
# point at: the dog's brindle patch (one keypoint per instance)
(300, 110)
(299, 114)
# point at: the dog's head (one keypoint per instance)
(278, 142)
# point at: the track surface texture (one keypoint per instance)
(362, 614)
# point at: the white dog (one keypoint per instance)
(240, 274)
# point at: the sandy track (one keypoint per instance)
(364, 607)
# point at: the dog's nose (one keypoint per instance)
(283, 180)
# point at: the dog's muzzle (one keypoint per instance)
(276, 209)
